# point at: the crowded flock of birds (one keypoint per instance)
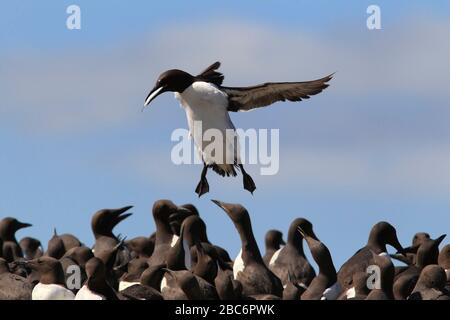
(178, 262)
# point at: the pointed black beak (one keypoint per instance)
(156, 91)
(439, 240)
(396, 244)
(120, 215)
(219, 204)
(181, 214)
(22, 225)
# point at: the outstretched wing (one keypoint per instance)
(211, 75)
(248, 98)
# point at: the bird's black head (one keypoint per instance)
(274, 239)
(171, 80)
(9, 226)
(105, 220)
(384, 233)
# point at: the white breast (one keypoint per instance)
(238, 264)
(351, 293)
(204, 103)
(125, 284)
(86, 294)
(274, 257)
(51, 292)
(163, 284)
(174, 240)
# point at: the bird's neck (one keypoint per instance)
(250, 251)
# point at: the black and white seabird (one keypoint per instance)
(164, 238)
(249, 268)
(273, 242)
(103, 222)
(96, 286)
(205, 100)
(324, 286)
(382, 234)
(135, 268)
(51, 284)
(292, 258)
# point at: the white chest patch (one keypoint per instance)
(351, 293)
(125, 284)
(238, 265)
(332, 293)
(174, 240)
(163, 283)
(86, 294)
(274, 257)
(51, 292)
(207, 108)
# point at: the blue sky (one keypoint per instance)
(374, 146)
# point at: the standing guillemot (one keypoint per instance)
(165, 238)
(51, 284)
(249, 267)
(324, 286)
(103, 222)
(205, 100)
(273, 242)
(292, 256)
(382, 234)
(8, 228)
(135, 268)
(96, 286)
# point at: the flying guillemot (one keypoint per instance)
(205, 100)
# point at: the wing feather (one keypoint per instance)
(248, 98)
(211, 75)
